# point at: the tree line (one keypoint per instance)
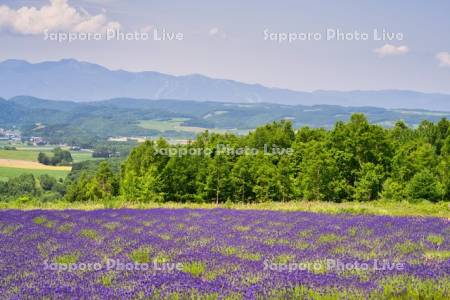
(60, 157)
(353, 161)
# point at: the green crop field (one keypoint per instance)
(31, 154)
(6, 173)
(174, 124)
(82, 156)
(166, 125)
(28, 155)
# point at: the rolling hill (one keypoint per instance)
(69, 122)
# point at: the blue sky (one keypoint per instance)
(226, 40)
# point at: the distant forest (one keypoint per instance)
(84, 124)
(352, 161)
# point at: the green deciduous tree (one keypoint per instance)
(369, 183)
(425, 185)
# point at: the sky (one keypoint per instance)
(333, 45)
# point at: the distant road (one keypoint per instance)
(23, 164)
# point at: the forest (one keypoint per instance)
(89, 124)
(353, 161)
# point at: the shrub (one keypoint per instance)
(393, 190)
(424, 185)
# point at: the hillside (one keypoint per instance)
(70, 122)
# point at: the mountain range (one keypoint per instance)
(69, 79)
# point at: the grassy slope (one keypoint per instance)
(82, 156)
(31, 154)
(6, 173)
(373, 208)
(175, 125)
(28, 155)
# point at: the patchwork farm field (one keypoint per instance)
(10, 168)
(221, 254)
(10, 172)
(14, 163)
(31, 154)
(176, 124)
(27, 155)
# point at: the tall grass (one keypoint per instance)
(424, 208)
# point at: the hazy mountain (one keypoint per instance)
(81, 81)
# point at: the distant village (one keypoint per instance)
(15, 136)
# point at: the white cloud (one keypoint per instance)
(99, 1)
(58, 15)
(388, 50)
(213, 31)
(444, 59)
(217, 32)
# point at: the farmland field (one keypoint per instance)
(164, 125)
(175, 124)
(7, 172)
(28, 155)
(24, 161)
(79, 156)
(31, 154)
(31, 165)
(221, 254)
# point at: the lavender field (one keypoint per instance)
(221, 254)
